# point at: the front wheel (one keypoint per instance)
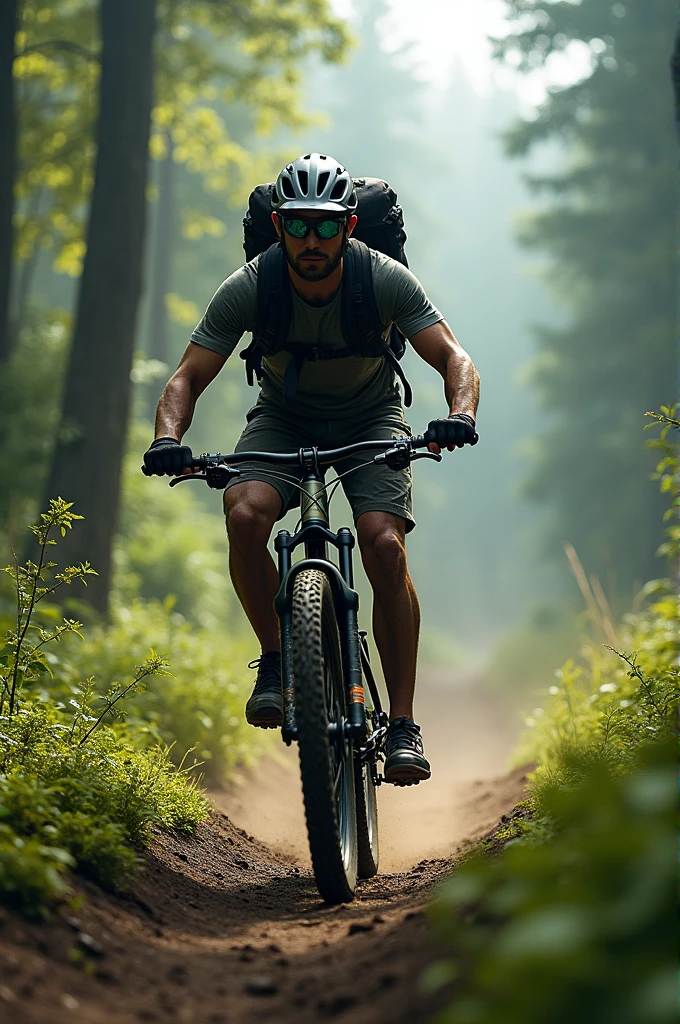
(367, 819)
(326, 754)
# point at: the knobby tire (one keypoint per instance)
(367, 821)
(326, 767)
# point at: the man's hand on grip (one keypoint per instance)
(451, 432)
(167, 457)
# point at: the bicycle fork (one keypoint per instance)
(346, 602)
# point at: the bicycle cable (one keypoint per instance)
(334, 484)
(284, 478)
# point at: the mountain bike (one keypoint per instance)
(325, 663)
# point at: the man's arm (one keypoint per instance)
(198, 366)
(438, 347)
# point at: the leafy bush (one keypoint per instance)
(573, 920)
(577, 928)
(603, 709)
(31, 873)
(170, 545)
(74, 791)
(197, 705)
(91, 793)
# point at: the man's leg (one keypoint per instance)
(252, 508)
(396, 624)
(396, 612)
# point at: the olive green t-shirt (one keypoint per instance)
(329, 386)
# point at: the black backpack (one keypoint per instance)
(380, 226)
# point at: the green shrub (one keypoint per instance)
(74, 790)
(198, 705)
(603, 709)
(95, 795)
(579, 928)
(31, 873)
(170, 545)
(574, 919)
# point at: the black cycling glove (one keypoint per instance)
(455, 430)
(167, 457)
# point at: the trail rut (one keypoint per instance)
(227, 927)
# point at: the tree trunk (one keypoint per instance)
(162, 260)
(161, 271)
(86, 468)
(9, 14)
(675, 76)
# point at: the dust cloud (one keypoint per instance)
(468, 735)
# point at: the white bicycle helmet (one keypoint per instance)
(314, 182)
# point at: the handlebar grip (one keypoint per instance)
(198, 463)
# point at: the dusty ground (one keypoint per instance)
(226, 927)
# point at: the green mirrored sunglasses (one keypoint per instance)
(298, 227)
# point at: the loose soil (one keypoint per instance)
(227, 926)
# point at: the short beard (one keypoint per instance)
(315, 271)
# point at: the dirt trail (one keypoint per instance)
(468, 737)
(225, 927)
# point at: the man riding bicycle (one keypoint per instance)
(317, 391)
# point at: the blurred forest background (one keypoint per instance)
(544, 233)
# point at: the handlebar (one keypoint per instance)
(218, 469)
(323, 458)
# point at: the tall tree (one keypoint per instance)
(161, 263)
(608, 225)
(258, 66)
(87, 461)
(8, 131)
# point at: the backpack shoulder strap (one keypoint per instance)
(274, 305)
(360, 320)
(273, 310)
(361, 324)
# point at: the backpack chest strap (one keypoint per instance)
(306, 353)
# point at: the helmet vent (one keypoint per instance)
(338, 191)
(314, 182)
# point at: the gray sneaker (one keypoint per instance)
(405, 762)
(265, 707)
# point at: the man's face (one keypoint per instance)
(314, 258)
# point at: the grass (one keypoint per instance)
(79, 787)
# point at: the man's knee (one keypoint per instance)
(250, 512)
(383, 547)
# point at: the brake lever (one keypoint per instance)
(216, 477)
(426, 455)
(189, 476)
(402, 456)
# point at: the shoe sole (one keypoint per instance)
(406, 775)
(264, 716)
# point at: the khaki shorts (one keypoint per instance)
(370, 488)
